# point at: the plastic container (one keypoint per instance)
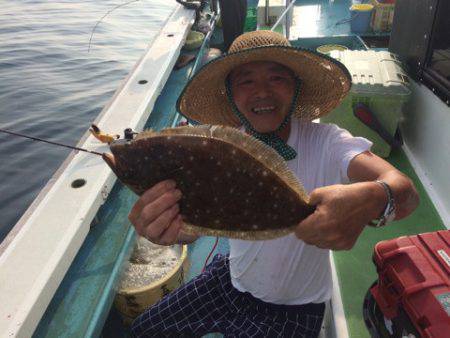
(131, 302)
(414, 279)
(194, 40)
(380, 83)
(326, 49)
(383, 15)
(360, 15)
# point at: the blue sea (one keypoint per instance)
(52, 87)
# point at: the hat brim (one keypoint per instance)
(325, 82)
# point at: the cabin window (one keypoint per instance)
(424, 45)
(437, 65)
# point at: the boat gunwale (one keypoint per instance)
(24, 314)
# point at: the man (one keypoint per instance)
(274, 287)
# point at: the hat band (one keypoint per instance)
(271, 139)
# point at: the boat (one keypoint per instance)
(61, 263)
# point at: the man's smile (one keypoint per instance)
(263, 109)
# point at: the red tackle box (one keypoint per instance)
(414, 280)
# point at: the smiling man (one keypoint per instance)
(274, 287)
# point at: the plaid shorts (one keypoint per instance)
(209, 303)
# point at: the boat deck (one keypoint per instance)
(315, 22)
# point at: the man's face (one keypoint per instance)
(263, 93)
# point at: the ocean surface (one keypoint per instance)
(52, 87)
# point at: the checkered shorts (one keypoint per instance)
(209, 303)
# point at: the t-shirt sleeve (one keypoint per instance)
(343, 147)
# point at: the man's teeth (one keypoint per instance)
(260, 110)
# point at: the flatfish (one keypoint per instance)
(233, 185)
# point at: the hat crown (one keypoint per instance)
(257, 39)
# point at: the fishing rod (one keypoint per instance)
(50, 142)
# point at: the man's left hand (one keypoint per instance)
(342, 211)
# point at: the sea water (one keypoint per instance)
(53, 88)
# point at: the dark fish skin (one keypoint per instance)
(224, 188)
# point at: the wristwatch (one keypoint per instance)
(389, 212)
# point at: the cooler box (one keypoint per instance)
(414, 283)
(378, 82)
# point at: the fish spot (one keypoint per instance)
(255, 226)
(160, 157)
(231, 190)
(265, 173)
(189, 172)
(228, 174)
(250, 193)
(215, 179)
(197, 184)
(146, 158)
(219, 163)
(191, 158)
(168, 138)
(208, 211)
(215, 199)
(233, 151)
(247, 200)
(204, 142)
(260, 183)
(275, 206)
(217, 221)
(170, 152)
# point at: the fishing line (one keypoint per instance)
(50, 142)
(104, 16)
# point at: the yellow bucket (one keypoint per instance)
(131, 302)
(361, 7)
(194, 40)
(326, 49)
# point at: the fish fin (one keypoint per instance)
(200, 130)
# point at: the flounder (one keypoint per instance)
(233, 185)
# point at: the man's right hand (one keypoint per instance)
(156, 216)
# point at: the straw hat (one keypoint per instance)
(325, 81)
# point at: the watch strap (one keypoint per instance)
(389, 210)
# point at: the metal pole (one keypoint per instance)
(267, 13)
(282, 15)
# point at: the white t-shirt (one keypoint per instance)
(286, 270)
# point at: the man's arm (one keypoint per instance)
(369, 167)
(342, 211)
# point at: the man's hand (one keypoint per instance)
(156, 216)
(342, 211)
